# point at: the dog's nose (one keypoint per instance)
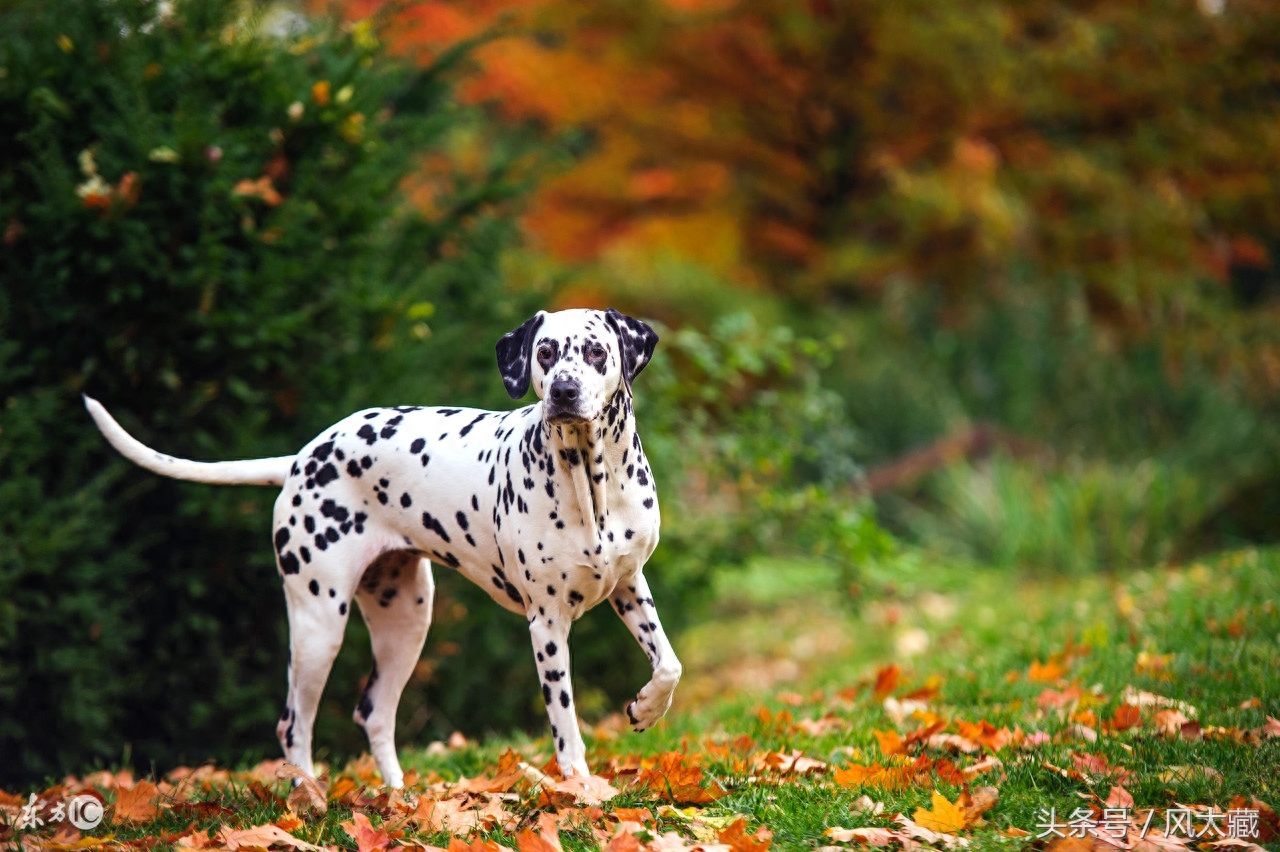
(564, 391)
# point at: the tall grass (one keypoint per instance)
(1072, 519)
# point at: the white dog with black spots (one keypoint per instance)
(550, 508)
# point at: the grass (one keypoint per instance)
(788, 665)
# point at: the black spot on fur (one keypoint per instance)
(366, 432)
(564, 699)
(405, 500)
(462, 520)
(314, 587)
(321, 452)
(417, 445)
(306, 554)
(282, 538)
(551, 649)
(353, 468)
(326, 474)
(434, 525)
(513, 593)
(289, 564)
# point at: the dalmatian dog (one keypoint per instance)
(550, 508)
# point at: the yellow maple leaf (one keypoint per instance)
(945, 817)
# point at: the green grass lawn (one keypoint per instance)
(941, 669)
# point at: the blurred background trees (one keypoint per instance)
(866, 229)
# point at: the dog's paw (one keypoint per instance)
(650, 705)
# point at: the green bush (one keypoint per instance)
(1140, 459)
(203, 227)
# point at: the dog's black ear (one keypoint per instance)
(636, 341)
(514, 350)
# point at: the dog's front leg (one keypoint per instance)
(634, 604)
(550, 635)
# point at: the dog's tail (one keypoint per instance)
(247, 472)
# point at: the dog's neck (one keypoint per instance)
(594, 456)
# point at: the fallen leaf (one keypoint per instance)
(872, 836)
(886, 682)
(928, 835)
(982, 766)
(736, 838)
(137, 803)
(1169, 722)
(864, 805)
(1119, 797)
(976, 803)
(195, 840)
(985, 734)
(1126, 716)
(945, 817)
(367, 838)
(1235, 843)
(528, 841)
(308, 795)
(1045, 672)
(890, 742)
(1142, 698)
(678, 780)
(262, 836)
(587, 789)
(953, 743)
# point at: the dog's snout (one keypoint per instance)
(564, 391)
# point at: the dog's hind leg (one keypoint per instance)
(316, 626)
(395, 597)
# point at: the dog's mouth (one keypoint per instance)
(567, 416)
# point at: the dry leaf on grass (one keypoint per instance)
(137, 803)
(308, 795)
(262, 837)
(928, 835)
(944, 818)
(585, 789)
(872, 836)
(367, 838)
(195, 840)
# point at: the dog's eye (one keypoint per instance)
(544, 353)
(596, 352)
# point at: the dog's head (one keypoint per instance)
(576, 360)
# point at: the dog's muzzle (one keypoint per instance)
(563, 402)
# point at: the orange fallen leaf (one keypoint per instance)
(736, 838)
(528, 841)
(195, 840)
(679, 780)
(137, 803)
(890, 742)
(367, 838)
(945, 817)
(886, 682)
(875, 775)
(1048, 672)
(1126, 717)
